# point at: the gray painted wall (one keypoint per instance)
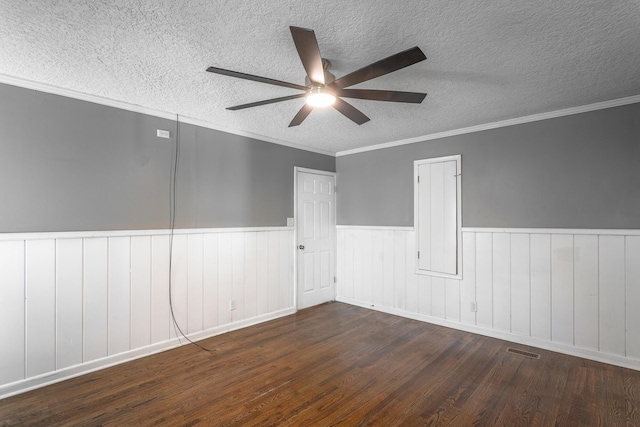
(70, 165)
(579, 171)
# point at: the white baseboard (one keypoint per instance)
(22, 386)
(506, 336)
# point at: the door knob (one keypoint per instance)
(301, 247)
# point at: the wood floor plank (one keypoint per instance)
(337, 364)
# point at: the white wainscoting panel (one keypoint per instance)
(388, 256)
(585, 270)
(119, 302)
(140, 291)
(179, 285)
(71, 303)
(612, 295)
(399, 268)
(501, 281)
(484, 279)
(12, 310)
(40, 275)
(95, 319)
(562, 288)
(468, 283)
(195, 282)
(540, 276)
(210, 270)
(632, 263)
(520, 286)
(160, 311)
(68, 303)
(237, 272)
(573, 291)
(250, 275)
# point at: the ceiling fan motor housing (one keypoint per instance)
(328, 76)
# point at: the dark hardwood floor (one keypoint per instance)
(337, 364)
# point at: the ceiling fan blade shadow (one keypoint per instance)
(309, 52)
(265, 102)
(260, 79)
(350, 111)
(382, 95)
(380, 68)
(302, 114)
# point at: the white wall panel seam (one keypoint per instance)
(624, 272)
(150, 289)
(26, 308)
(573, 281)
(530, 302)
(218, 279)
(511, 280)
(55, 304)
(131, 307)
(202, 298)
(599, 291)
(25, 289)
(550, 287)
(185, 326)
(84, 302)
(493, 277)
(108, 291)
(475, 276)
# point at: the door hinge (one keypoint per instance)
(418, 254)
(418, 179)
(335, 279)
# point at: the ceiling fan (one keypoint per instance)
(323, 89)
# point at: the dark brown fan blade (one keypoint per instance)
(267, 101)
(309, 52)
(254, 78)
(380, 68)
(302, 114)
(382, 95)
(350, 111)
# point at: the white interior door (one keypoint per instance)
(316, 225)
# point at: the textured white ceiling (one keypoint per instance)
(487, 60)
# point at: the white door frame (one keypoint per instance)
(297, 169)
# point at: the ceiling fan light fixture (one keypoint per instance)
(320, 97)
(322, 89)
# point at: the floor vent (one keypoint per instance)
(523, 353)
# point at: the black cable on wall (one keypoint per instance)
(172, 219)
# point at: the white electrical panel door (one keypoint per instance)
(437, 216)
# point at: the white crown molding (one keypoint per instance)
(504, 123)
(55, 90)
(69, 93)
(204, 124)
